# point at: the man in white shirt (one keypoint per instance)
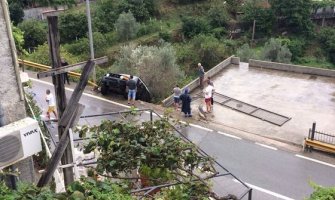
(208, 97)
(51, 104)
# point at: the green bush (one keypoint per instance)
(264, 17)
(194, 26)
(126, 26)
(210, 51)
(245, 53)
(218, 16)
(275, 51)
(15, 12)
(105, 16)
(327, 40)
(322, 193)
(72, 26)
(297, 47)
(35, 33)
(151, 26)
(166, 36)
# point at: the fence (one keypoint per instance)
(319, 140)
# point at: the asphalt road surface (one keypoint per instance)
(272, 173)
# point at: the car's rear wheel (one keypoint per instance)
(104, 89)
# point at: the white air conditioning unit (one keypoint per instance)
(19, 140)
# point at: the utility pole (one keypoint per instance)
(90, 36)
(253, 31)
(53, 39)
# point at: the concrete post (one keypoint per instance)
(11, 95)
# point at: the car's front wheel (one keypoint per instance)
(104, 89)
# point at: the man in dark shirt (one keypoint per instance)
(65, 75)
(131, 90)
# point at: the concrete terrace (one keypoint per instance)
(302, 97)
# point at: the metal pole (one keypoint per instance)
(151, 117)
(253, 31)
(250, 195)
(313, 130)
(90, 35)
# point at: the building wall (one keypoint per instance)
(10, 87)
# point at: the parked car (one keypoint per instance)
(117, 84)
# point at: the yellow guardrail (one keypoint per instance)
(46, 68)
(319, 145)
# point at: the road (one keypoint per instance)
(272, 173)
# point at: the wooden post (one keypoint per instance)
(68, 120)
(253, 31)
(53, 39)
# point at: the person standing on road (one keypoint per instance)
(176, 95)
(208, 97)
(201, 74)
(50, 99)
(186, 103)
(65, 75)
(131, 83)
(210, 82)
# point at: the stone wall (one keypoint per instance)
(292, 68)
(10, 88)
(212, 72)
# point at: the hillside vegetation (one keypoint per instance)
(153, 38)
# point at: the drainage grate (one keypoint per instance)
(251, 110)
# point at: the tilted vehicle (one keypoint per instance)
(117, 84)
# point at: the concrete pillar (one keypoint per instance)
(11, 98)
(235, 60)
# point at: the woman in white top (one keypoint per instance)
(51, 104)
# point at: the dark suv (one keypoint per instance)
(117, 83)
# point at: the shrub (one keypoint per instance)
(264, 17)
(209, 50)
(72, 26)
(156, 65)
(15, 12)
(192, 27)
(245, 53)
(151, 26)
(35, 33)
(327, 40)
(322, 193)
(105, 16)
(126, 26)
(274, 51)
(217, 16)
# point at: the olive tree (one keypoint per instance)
(275, 51)
(156, 65)
(126, 26)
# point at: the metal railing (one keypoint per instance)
(320, 136)
(46, 68)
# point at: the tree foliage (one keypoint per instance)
(126, 26)
(72, 26)
(15, 12)
(293, 16)
(245, 53)
(156, 65)
(86, 188)
(18, 39)
(264, 17)
(322, 193)
(194, 26)
(275, 51)
(327, 40)
(35, 33)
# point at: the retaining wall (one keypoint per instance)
(292, 68)
(212, 72)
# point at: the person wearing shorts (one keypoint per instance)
(51, 104)
(208, 97)
(131, 83)
(176, 97)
